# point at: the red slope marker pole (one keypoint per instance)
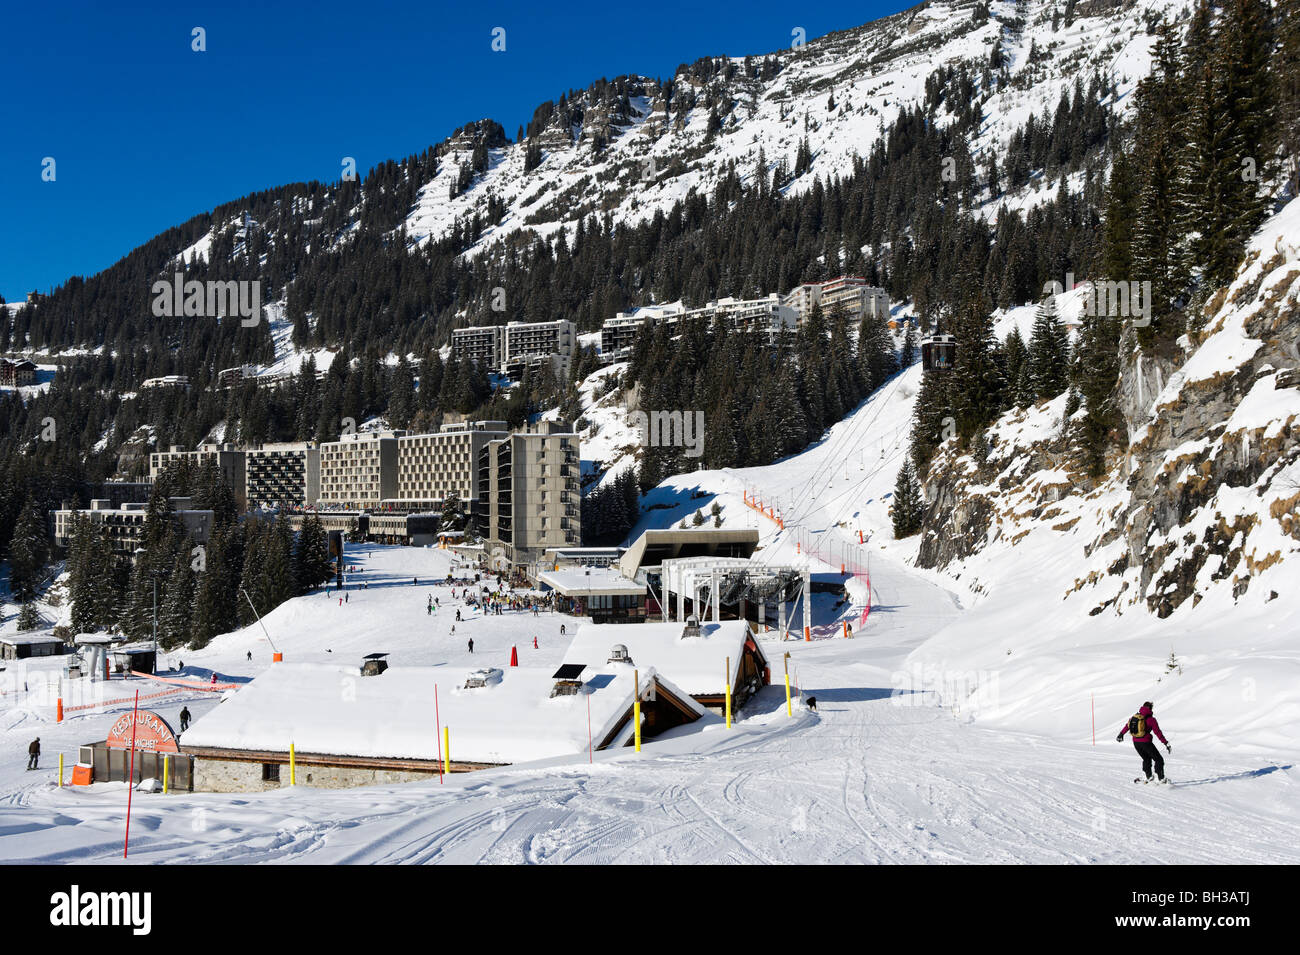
(130, 782)
(437, 722)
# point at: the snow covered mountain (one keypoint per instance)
(632, 148)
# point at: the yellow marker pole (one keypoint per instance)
(636, 708)
(167, 772)
(788, 710)
(293, 766)
(60, 770)
(726, 686)
(446, 749)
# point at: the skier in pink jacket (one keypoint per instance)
(1141, 725)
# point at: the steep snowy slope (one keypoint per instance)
(1172, 578)
(838, 92)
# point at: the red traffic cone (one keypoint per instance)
(514, 657)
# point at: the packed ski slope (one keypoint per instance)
(885, 770)
(877, 773)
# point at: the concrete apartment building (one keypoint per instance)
(226, 456)
(618, 334)
(858, 299)
(359, 470)
(516, 346)
(769, 315)
(284, 475)
(528, 345)
(432, 466)
(478, 343)
(179, 382)
(529, 492)
(125, 525)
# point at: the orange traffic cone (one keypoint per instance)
(514, 657)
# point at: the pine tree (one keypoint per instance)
(174, 616)
(932, 417)
(978, 389)
(401, 401)
(1117, 221)
(311, 555)
(28, 552)
(453, 513)
(1098, 372)
(1048, 354)
(907, 507)
(1156, 254)
(1016, 355)
(28, 619)
(907, 355)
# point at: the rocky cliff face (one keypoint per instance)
(1204, 494)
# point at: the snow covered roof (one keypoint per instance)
(578, 581)
(696, 664)
(27, 639)
(324, 708)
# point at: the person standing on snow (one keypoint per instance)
(1141, 725)
(33, 753)
(185, 718)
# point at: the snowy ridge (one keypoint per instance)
(871, 73)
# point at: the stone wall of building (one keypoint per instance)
(238, 776)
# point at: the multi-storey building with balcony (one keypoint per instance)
(226, 456)
(430, 467)
(619, 333)
(769, 316)
(478, 343)
(285, 476)
(512, 348)
(857, 299)
(529, 492)
(359, 470)
(125, 526)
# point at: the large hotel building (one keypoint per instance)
(282, 476)
(521, 489)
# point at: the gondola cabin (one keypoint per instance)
(938, 353)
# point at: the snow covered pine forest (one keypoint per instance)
(1087, 510)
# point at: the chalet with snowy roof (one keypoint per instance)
(347, 728)
(701, 658)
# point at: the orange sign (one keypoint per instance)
(151, 733)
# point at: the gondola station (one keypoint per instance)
(334, 726)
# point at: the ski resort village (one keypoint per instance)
(874, 444)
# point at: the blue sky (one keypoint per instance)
(145, 132)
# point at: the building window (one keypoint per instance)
(270, 772)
